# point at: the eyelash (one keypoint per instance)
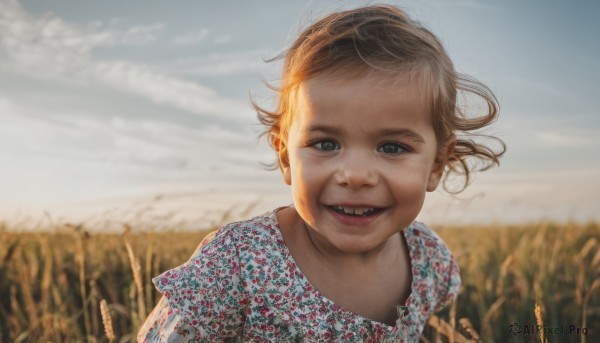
(403, 147)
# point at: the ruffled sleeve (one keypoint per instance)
(203, 298)
(449, 281)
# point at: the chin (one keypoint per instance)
(356, 246)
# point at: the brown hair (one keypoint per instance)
(383, 39)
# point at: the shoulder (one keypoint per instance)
(221, 249)
(225, 255)
(206, 295)
(241, 234)
(437, 263)
(429, 242)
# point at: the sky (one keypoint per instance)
(139, 112)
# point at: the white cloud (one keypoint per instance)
(72, 136)
(507, 197)
(48, 47)
(87, 143)
(88, 159)
(141, 35)
(46, 44)
(191, 38)
(225, 63)
(564, 139)
(161, 88)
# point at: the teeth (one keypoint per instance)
(354, 210)
(359, 210)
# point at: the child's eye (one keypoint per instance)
(326, 145)
(393, 148)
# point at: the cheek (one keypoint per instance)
(307, 180)
(410, 194)
(411, 174)
(409, 185)
(304, 166)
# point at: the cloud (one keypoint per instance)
(45, 44)
(48, 47)
(507, 197)
(67, 113)
(224, 64)
(91, 138)
(190, 38)
(563, 139)
(161, 88)
(141, 35)
(121, 156)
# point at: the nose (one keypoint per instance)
(356, 171)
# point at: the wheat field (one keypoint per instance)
(70, 283)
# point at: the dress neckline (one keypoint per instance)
(407, 234)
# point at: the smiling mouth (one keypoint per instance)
(357, 211)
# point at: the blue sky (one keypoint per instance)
(107, 105)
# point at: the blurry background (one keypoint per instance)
(133, 111)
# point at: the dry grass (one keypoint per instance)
(107, 321)
(68, 284)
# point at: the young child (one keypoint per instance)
(366, 124)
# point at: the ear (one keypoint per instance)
(440, 163)
(283, 165)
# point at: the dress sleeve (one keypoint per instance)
(202, 299)
(449, 281)
(163, 325)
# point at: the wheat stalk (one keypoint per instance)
(452, 320)
(80, 258)
(595, 285)
(107, 321)
(149, 252)
(468, 329)
(539, 312)
(137, 278)
(443, 328)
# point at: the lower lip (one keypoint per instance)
(354, 220)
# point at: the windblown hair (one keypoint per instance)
(382, 39)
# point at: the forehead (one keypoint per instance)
(374, 100)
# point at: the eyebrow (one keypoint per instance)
(384, 132)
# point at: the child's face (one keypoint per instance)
(357, 163)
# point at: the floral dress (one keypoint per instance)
(243, 285)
